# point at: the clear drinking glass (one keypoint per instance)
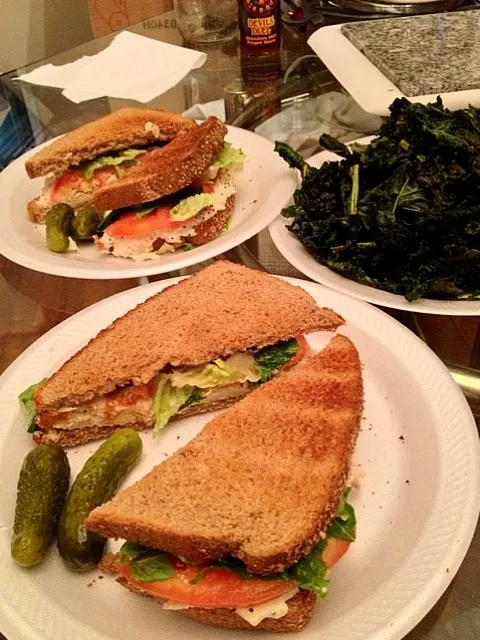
(207, 20)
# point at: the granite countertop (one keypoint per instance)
(425, 54)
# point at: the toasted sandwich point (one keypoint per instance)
(237, 528)
(129, 128)
(196, 346)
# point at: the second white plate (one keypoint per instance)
(257, 203)
(293, 250)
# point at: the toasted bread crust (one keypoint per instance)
(207, 231)
(167, 170)
(75, 437)
(283, 456)
(300, 607)
(119, 130)
(220, 310)
(300, 611)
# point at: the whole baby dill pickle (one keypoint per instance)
(41, 492)
(96, 483)
(85, 223)
(59, 227)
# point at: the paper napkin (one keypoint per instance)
(131, 67)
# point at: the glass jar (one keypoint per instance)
(207, 20)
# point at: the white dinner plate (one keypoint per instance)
(416, 511)
(264, 187)
(293, 250)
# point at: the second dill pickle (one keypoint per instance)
(59, 227)
(85, 223)
(41, 492)
(96, 483)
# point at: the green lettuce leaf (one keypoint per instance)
(191, 206)
(129, 551)
(270, 359)
(27, 400)
(168, 400)
(195, 397)
(166, 248)
(127, 156)
(143, 211)
(146, 565)
(216, 373)
(344, 524)
(236, 566)
(229, 157)
(310, 572)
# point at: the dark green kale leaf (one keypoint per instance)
(292, 157)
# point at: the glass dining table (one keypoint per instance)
(286, 95)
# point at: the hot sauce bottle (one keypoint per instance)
(259, 24)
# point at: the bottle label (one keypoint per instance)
(261, 27)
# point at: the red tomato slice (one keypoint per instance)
(74, 181)
(70, 181)
(334, 550)
(219, 587)
(208, 187)
(130, 225)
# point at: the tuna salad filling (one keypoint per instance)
(173, 390)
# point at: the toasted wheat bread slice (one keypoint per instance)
(119, 130)
(75, 437)
(167, 169)
(220, 310)
(300, 607)
(262, 481)
(207, 231)
(300, 611)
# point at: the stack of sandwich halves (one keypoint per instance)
(157, 181)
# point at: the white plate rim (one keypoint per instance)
(274, 201)
(296, 254)
(452, 409)
(371, 88)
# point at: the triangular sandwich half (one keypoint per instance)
(239, 527)
(197, 346)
